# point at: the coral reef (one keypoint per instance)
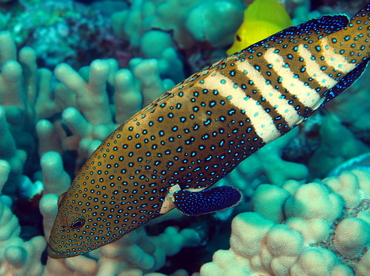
(51, 121)
(60, 31)
(86, 117)
(189, 26)
(300, 229)
(189, 21)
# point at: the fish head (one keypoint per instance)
(82, 226)
(91, 215)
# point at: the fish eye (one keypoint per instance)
(78, 223)
(238, 38)
(75, 220)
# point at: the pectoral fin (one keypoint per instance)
(206, 201)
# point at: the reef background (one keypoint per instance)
(72, 71)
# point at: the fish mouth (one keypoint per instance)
(52, 253)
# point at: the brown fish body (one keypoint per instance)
(171, 152)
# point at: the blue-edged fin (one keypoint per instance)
(206, 201)
(325, 25)
(345, 82)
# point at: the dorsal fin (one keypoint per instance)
(328, 23)
(323, 26)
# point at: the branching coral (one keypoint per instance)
(181, 18)
(177, 25)
(75, 116)
(51, 121)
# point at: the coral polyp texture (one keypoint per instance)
(53, 118)
(319, 228)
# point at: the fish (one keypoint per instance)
(262, 18)
(169, 154)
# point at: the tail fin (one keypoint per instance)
(353, 42)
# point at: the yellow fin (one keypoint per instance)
(262, 18)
